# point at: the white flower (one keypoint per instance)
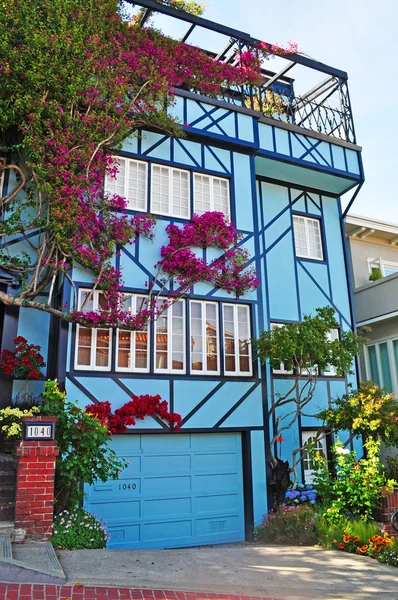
(341, 450)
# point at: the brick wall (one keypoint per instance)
(35, 486)
(389, 507)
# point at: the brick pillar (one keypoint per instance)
(35, 485)
(389, 507)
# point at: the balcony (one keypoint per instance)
(324, 108)
(377, 300)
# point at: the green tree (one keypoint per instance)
(306, 350)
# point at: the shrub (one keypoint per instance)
(292, 525)
(78, 530)
(356, 487)
(328, 532)
(303, 494)
(84, 455)
(375, 275)
(364, 531)
(389, 556)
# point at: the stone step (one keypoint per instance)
(30, 562)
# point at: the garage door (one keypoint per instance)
(178, 490)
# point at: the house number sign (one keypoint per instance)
(38, 431)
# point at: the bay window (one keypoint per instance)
(204, 337)
(170, 340)
(93, 345)
(132, 347)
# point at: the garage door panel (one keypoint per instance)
(170, 531)
(216, 482)
(167, 485)
(172, 463)
(217, 504)
(178, 490)
(167, 507)
(215, 461)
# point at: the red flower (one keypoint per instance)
(280, 439)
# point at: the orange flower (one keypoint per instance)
(356, 538)
(363, 549)
(346, 539)
(341, 545)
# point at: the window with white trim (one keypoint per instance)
(131, 182)
(307, 237)
(236, 334)
(310, 437)
(132, 347)
(93, 345)
(332, 335)
(170, 340)
(381, 360)
(281, 370)
(204, 337)
(386, 267)
(170, 192)
(211, 194)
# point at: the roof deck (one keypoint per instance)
(324, 107)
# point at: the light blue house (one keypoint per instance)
(279, 178)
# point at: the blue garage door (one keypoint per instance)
(178, 490)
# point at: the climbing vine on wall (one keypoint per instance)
(77, 78)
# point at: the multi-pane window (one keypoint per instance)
(132, 347)
(170, 193)
(130, 182)
(280, 369)
(204, 337)
(307, 237)
(211, 194)
(319, 445)
(170, 340)
(93, 346)
(332, 335)
(236, 331)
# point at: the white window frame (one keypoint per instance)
(169, 368)
(94, 331)
(333, 334)
(306, 221)
(391, 361)
(237, 372)
(205, 371)
(109, 179)
(135, 302)
(171, 170)
(212, 179)
(305, 436)
(379, 263)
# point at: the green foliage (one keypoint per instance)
(392, 467)
(369, 411)
(363, 530)
(78, 530)
(288, 525)
(305, 345)
(375, 275)
(389, 556)
(328, 533)
(83, 453)
(355, 488)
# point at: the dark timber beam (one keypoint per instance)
(233, 33)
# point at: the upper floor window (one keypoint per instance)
(382, 363)
(387, 268)
(132, 347)
(170, 340)
(237, 347)
(211, 194)
(170, 189)
(93, 345)
(280, 369)
(130, 182)
(307, 237)
(170, 192)
(204, 337)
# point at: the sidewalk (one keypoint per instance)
(287, 573)
(12, 591)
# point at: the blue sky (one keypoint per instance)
(357, 36)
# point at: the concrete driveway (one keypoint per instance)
(288, 573)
